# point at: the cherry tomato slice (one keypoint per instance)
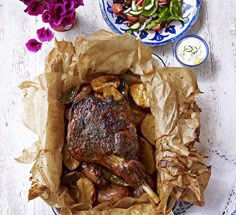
(139, 2)
(157, 27)
(117, 8)
(132, 18)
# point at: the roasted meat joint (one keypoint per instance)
(104, 138)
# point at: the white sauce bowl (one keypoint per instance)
(191, 50)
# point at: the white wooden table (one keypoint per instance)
(217, 79)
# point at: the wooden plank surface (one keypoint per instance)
(217, 79)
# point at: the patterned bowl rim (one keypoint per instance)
(158, 43)
(187, 205)
(158, 59)
(193, 36)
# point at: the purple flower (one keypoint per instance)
(78, 3)
(57, 8)
(56, 12)
(45, 16)
(25, 1)
(44, 34)
(69, 4)
(34, 7)
(69, 18)
(53, 1)
(33, 45)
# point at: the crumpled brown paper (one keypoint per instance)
(182, 175)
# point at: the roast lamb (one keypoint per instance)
(102, 130)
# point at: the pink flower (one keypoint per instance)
(25, 1)
(56, 13)
(60, 14)
(34, 7)
(69, 18)
(78, 3)
(44, 34)
(33, 45)
(45, 16)
(69, 4)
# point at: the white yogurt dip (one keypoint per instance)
(191, 51)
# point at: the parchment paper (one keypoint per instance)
(182, 175)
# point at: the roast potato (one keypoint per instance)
(112, 91)
(138, 113)
(98, 84)
(148, 128)
(147, 155)
(69, 180)
(74, 194)
(69, 162)
(86, 190)
(98, 95)
(139, 94)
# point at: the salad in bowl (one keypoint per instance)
(148, 14)
(155, 22)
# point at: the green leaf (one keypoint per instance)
(164, 14)
(152, 24)
(146, 2)
(176, 9)
(129, 31)
(69, 96)
(172, 18)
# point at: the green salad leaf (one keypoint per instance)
(146, 3)
(175, 10)
(164, 14)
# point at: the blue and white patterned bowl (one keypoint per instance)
(203, 42)
(177, 29)
(180, 208)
